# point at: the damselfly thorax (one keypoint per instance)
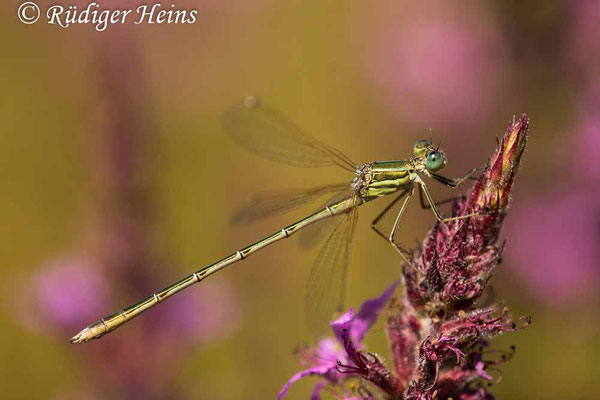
(268, 133)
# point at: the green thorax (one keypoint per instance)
(388, 176)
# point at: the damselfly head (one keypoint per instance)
(421, 147)
(432, 156)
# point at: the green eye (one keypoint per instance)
(421, 146)
(435, 161)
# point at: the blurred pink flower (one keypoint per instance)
(437, 68)
(558, 253)
(67, 292)
(202, 314)
(555, 245)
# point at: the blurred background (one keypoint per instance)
(117, 179)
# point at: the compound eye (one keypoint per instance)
(421, 146)
(435, 161)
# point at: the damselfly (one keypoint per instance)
(267, 132)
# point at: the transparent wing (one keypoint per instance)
(270, 134)
(315, 233)
(268, 203)
(326, 289)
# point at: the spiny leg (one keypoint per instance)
(449, 182)
(403, 253)
(399, 216)
(425, 205)
(454, 183)
(384, 212)
(434, 208)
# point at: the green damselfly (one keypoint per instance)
(265, 131)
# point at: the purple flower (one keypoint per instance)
(335, 357)
(456, 260)
(450, 272)
(437, 332)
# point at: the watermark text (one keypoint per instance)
(101, 18)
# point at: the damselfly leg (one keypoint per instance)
(407, 195)
(449, 182)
